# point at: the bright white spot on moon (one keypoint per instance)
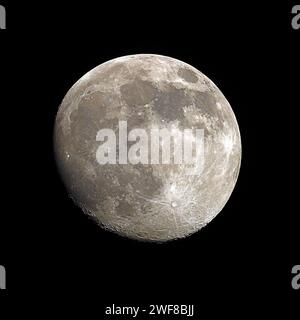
(174, 204)
(228, 143)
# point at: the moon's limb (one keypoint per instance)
(147, 202)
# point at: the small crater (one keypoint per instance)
(174, 204)
(124, 209)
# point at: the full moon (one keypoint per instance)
(151, 200)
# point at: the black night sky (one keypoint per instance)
(52, 252)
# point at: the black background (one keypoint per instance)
(245, 255)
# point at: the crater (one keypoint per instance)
(187, 75)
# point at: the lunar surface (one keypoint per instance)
(148, 202)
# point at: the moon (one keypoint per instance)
(148, 202)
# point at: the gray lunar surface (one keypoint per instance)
(147, 202)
